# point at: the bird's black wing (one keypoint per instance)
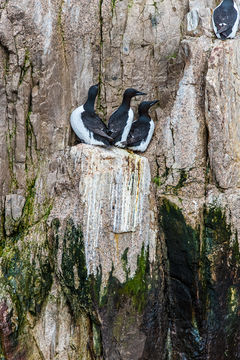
(224, 20)
(117, 123)
(139, 132)
(94, 124)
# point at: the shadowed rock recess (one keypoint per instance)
(106, 254)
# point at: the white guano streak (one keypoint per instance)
(114, 193)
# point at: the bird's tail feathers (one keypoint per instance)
(104, 135)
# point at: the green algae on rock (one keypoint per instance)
(25, 269)
(204, 272)
(79, 288)
(132, 311)
(74, 271)
(26, 276)
(122, 307)
(183, 246)
(220, 269)
(135, 288)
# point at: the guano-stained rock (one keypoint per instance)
(111, 202)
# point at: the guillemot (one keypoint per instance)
(120, 121)
(142, 129)
(225, 20)
(87, 125)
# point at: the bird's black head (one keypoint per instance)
(93, 91)
(227, 4)
(92, 94)
(129, 93)
(145, 106)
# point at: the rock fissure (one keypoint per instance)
(61, 31)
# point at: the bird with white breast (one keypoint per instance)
(87, 125)
(225, 20)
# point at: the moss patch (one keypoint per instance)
(130, 4)
(2, 357)
(74, 271)
(124, 259)
(32, 214)
(220, 274)
(204, 284)
(26, 275)
(158, 181)
(10, 138)
(113, 6)
(26, 65)
(134, 289)
(180, 184)
(82, 291)
(133, 308)
(137, 287)
(25, 269)
(183, 244)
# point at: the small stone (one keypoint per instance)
(192, 20)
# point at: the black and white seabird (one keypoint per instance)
(120, 121)
(87, 125)
(142, 129)
(225, 20)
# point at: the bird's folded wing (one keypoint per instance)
(138, 132)
(103, 134)
(115, 133)
(116, 123)
(133, 140)
(94, 124)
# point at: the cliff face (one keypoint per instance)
(106, 254)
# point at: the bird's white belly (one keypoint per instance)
(80, 130)
(235, 27)
(144, 144)
(77, 125)
(126, 129)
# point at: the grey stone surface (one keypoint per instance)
(222, 113)
(50, 53)
(14, 204)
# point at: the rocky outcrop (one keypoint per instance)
(107, 191)
(106, 254)
(88, 223)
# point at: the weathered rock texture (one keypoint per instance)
(108, 193)
(106, 254)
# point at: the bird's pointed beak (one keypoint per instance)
(154, 102)
(140, 93)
